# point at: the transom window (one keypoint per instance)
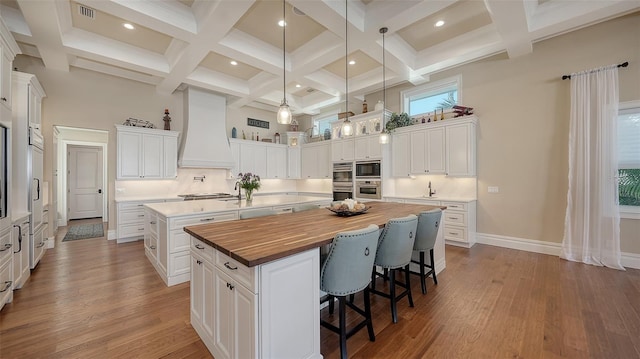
(323, 123)
(443, 94)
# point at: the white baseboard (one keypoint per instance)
(628, 260)
(111, 234)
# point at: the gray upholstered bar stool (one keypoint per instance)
(394, 252)
(345, 271)
(305, 207)
(426, 234)
(257, 213)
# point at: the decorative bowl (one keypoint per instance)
(348, 213)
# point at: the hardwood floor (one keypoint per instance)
(94, 298)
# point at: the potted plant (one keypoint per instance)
(397, 120)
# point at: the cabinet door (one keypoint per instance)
(197, 288)
(208, 297)
(308, 164)
(418, 152)
(293, 162)
(170, 165)
(361, 150)
(342, 150)
(374, 147)
(5, 78)
(223, 314)
(336, 151)
(460, 147)
(253, 158)
(245, 309)
(152, 156)
(277, 162)
(323, 161)
(436, 151)
(235, 153)
(129, 155)
(163, 242)
(400, 155)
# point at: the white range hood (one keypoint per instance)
(205, 143)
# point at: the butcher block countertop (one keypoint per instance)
(264, 239)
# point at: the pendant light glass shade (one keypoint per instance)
(384, 135)
(284, 116)
(347, 128)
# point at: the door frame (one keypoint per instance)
(63, 178)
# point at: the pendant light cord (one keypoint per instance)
(284, 53)
(384, 30)
(346, 57)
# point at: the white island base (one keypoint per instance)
(268, 311)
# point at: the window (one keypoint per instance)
(629, 158)
(322, 124)
(432, 96)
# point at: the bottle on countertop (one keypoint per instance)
(244, 137)
(442, 114)
(364, 107)
(277, 138)
(257, 136)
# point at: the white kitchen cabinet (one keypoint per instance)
(316, 160)
(253, 158)
(342, 150)
(235, 153)
(276, 162)
(461, 149)
(459, 221)
(368, 147)
(428, 151)
(6, 267)
(131, 219)
(144, 153)
(293, 162)
(20, 238)
(8, 49)
(202, 292)
(400, 155)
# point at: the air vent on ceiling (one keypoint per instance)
(298, 11)
(86, 11)
(310, 90)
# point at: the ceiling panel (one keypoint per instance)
(111, 27)
(220, 63)
(189, 3)
(364, 63)
(10, 3)
(261, 22)
(459, 18)
(300, 91)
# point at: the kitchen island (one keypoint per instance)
(167, 245)
(255, 283)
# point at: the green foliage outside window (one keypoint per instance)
(629, 187)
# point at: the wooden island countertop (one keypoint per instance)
(260, 240)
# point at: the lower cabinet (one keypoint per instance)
(6, 267)
(267, 311)
(20, 237)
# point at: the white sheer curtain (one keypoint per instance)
(592, 220)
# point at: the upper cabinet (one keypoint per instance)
(342, 150)
(445, 147)
(368, 147)
(8, 49)
(316, 160)
(145, 153)
(267, 160)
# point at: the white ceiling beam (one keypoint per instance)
(115, 71)
(409, 15)
(45, 32)
(510, 20)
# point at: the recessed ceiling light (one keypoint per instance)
(439, 23)
(352, 62)
(233, 62)
(128, 26)
(281, 23)
(298, 85)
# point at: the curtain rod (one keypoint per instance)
(624, 64)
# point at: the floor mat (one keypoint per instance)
(83, 231)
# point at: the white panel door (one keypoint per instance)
(153, 155)
(85, 193)
(400, 164)
(418, 153)
(276, 162)
(223, 315)
(435, 151)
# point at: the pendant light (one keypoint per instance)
(284, 112)
(347, 126)
(384, 135)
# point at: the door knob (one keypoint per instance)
(100, 190)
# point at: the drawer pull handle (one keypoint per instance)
(140, 205)
(40, 245)
(199, 246)
(152, 247)
(230, 286)
(207, 219)
(7, 285)
(141, 215)
(141, 229)
(6, 247)
(198, 261)
(453, 233)
(230, 267)
(152, 222)
(453, 217)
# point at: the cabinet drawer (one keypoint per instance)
(153, 246)
(131, 206)
(458, 206)
(130, 230)
(179, 263)
(6, 281)
(6, 246)
(453, 217)
(237, 271)
(204, 250)
(455, 233)
(179, 223)
(420, 201)
(131, 216)
(179, 241)
(283, 209)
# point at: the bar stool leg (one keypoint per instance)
(392, 294)
(367, 311)
(433, 265)
(423, 284)
(408, 281)
(331, 304)
(343, 327)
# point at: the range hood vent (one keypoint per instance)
(205, 143)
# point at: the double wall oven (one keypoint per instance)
(342, 180)
(361, 180)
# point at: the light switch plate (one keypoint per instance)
(493, 189)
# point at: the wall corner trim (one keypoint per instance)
(111, 234)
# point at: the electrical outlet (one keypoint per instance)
(493, 189)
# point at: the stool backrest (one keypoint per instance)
(347, 269)
(427, 231)
(396, 242)
(257, 213)
(305, 207)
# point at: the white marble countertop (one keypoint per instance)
(436, 198)
(148, 198)
(174, 209)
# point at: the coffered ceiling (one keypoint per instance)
(235, 46)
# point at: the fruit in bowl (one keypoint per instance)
(348, 205)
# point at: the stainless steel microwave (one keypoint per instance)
(368, 169)
(369, 189)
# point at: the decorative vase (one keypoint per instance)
(378, 106)
(234, 133)
(248, 194)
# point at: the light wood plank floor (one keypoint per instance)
(93, 298)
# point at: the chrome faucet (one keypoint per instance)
(237, 187)
(431, 192)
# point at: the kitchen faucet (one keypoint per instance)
(237, 187)
(431, 192)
